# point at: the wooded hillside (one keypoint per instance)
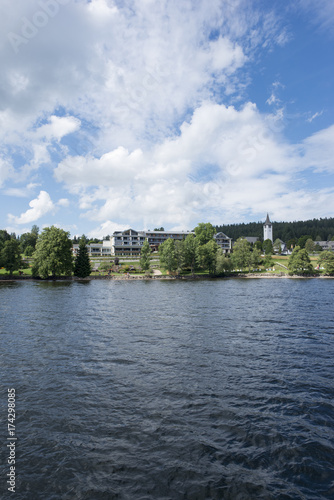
(323, 228)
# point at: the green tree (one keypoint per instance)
(309, 245)
(299, 262)
(258, 244)
(241, 255)
(35, 230)
(204, 232)
(179, 254)
(277, 246)
(190, 252)
(255, 257)
(326, 260)
(11, 256)
(303, 239)
(268, 247)
(28, 240)
(29, 251)
(167, 255)
(206, 256)
(53, 253)
(82, 267)
(145, 256)
(223, 263)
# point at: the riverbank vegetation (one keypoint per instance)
(49, 254)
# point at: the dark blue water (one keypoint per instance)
(169, 390)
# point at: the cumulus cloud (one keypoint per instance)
(140, 118)
(58, 127)
(39, 207)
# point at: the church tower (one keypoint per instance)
(267, 230)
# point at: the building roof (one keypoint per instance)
(221, 235)
(267, 220)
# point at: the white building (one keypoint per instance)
(224, 242)
(267, 230)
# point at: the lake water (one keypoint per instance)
(140, 390)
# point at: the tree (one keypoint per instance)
(53, 253)
(206, 256)
(28, 240)
(241, 255)
(204, 232)
(277, 246)
(268, 247)
(179, 254)
(35, 230)
(326, 260)
(82, 267)
(299, 262)
(145, 256)
(309, 246)
(255, 257)
(190, 252)
(258, 244)
(167, 255)
(303, 239)
(223, 263)
(159, 229)
(11, 255)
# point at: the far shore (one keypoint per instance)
(165, 277)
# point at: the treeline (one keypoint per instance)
(51, 251)
(318, 229)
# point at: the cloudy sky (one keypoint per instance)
(145, 113)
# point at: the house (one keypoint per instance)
(224, 242)
(326, 245)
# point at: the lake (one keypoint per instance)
(139, 390)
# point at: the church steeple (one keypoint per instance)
(267, 230)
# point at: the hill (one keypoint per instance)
(322, 229)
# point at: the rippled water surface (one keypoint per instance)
(169, 390)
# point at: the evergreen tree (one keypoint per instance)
(82, 267)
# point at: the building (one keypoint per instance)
(155, 238)
(326, 245)
(267, 230)
(224, 242)
(103, 249)
(128, 242)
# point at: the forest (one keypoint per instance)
(318, 229)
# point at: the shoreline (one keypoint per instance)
(163, 277)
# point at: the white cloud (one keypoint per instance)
(58, 127)
(6, 170)
(314, 116)
(318, 150)
(39, 207)
(63, 202)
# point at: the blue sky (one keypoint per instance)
(145, 113)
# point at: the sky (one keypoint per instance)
(150, 113)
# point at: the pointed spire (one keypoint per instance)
(267, 220)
